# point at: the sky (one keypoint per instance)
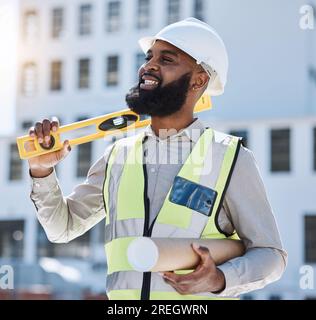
(8, 42)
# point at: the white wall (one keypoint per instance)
(8, 36)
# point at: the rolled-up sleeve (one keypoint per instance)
(66, 218)
(247, 206)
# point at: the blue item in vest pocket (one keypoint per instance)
(192, 195)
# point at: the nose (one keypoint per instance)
(151, 65)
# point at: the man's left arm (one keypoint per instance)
(247, 207)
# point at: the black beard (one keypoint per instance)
(162, 101)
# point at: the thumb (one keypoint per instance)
(63, 153)
(204, 254)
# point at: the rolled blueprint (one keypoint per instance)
(171, 254)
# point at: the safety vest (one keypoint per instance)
(210, 164)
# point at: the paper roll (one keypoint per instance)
(171, 254)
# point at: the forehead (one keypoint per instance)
(163, 46)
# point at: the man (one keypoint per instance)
(143, 191)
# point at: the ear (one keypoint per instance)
(200, 80)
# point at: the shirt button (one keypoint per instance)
(37, 185)
(152, 170)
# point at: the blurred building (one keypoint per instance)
(77, 59)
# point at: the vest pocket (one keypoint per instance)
(192, 195)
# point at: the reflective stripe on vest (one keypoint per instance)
(127, 213)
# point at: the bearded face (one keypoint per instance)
(150, 97)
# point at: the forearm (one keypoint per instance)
(51, 207)
(257, 268)
(63, 219)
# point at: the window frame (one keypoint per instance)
(57, 28)
(314, 148)
(275, 163)
(83, 164)
(307, 258)
(198, 12)
(85, 19)
(84, 80)
(113, 22)
(143, 14)
(26, 28)
(25, 79)
(112, 72)
(14, 163)
(173, 16)
(56, 73)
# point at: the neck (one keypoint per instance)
(175, 122)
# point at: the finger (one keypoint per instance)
(184, 278)
(32, 132)
(63, 153)
(55, 124)
(180, 289)
(172, 284)
(204, 254)
(39, 132)
(171, 276)
(46, 131)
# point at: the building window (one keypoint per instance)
(57, 22)
(198, 9)
(112, 74)
(173, 11)
(30, 26)
(11, 239)
(16, 165)
(85, 19)
(314, 136)
(84, 159)
(114, 16)
(56, 76)
(280, 150)
(310, 238)
(143, 14)
(84, 74)
(26, 125)
(29, 77)
(312, 74)
(242, 134)
(77, 248)
(82, 118)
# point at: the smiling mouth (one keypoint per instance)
(149, 85)
(149, 82)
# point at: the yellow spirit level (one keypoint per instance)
(112, 123)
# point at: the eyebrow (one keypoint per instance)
(173, 53)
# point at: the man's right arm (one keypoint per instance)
(66, 218)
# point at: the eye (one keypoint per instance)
(147, 58)
(167, 59)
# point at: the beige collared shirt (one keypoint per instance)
(245, 209)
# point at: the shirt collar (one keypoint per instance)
(192, 132)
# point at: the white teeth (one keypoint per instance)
(151, 82)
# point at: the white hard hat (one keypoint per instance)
(201, 42)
